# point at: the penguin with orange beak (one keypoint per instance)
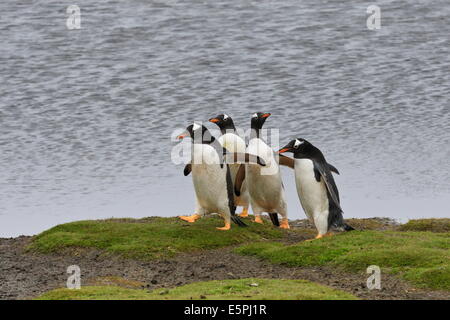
(264, 184)
(316, 187)
(212, 177)
(231, 141)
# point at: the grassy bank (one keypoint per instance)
(433, 225)
(420, 257)
(242, 289)
(150, 238)
(417, 251)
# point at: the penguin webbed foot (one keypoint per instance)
(320, 236)
(191, 218)
(285, 224)
(227, 226)
(258, 220)
(244, 213)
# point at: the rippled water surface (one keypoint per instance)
(86, 116)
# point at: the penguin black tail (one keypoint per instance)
(342, 227)
(238, 221)
(347, 227)
(274, 217)
(336, 220)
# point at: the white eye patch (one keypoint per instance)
(297, 143)
(195, 127)
(225, 117)
(254, 115)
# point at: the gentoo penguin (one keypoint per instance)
(231, 141)
(264, 184)
(316, 188)
(211, 175)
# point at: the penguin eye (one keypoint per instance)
(297, 143)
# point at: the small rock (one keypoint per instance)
(254, 284)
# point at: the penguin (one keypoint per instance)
(231, 141)
(211, 175)
(264, 184)
(316, 188)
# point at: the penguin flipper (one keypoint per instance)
(333, 169)
(286, 161)
(325, 174)
(239, 180)
(187, 169)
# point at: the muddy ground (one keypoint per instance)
(26, 275)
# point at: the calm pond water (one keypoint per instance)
(87, 116)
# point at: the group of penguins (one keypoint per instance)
(227, 173)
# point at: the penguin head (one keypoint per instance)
(258, 119)
(198, 133)
(296, 146)
(224, 122)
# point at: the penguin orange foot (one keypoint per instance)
(227, 226)
(191, 218)
(258, 220)
(284, 224)
(244, 213)
(320, 236)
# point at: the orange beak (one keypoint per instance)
(181, 136)
(266, 115)
(214, 120)
(283, 150)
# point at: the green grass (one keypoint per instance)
(434, 225)
(268, 289)
(420, 257)
(147, 239)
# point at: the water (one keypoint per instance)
(86, 116)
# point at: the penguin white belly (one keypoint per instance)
(312, 194)
(209, 179)
(264, 183)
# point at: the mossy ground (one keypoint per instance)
(420, 257)
(241, 289)
(434, 225)
(151, 238)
